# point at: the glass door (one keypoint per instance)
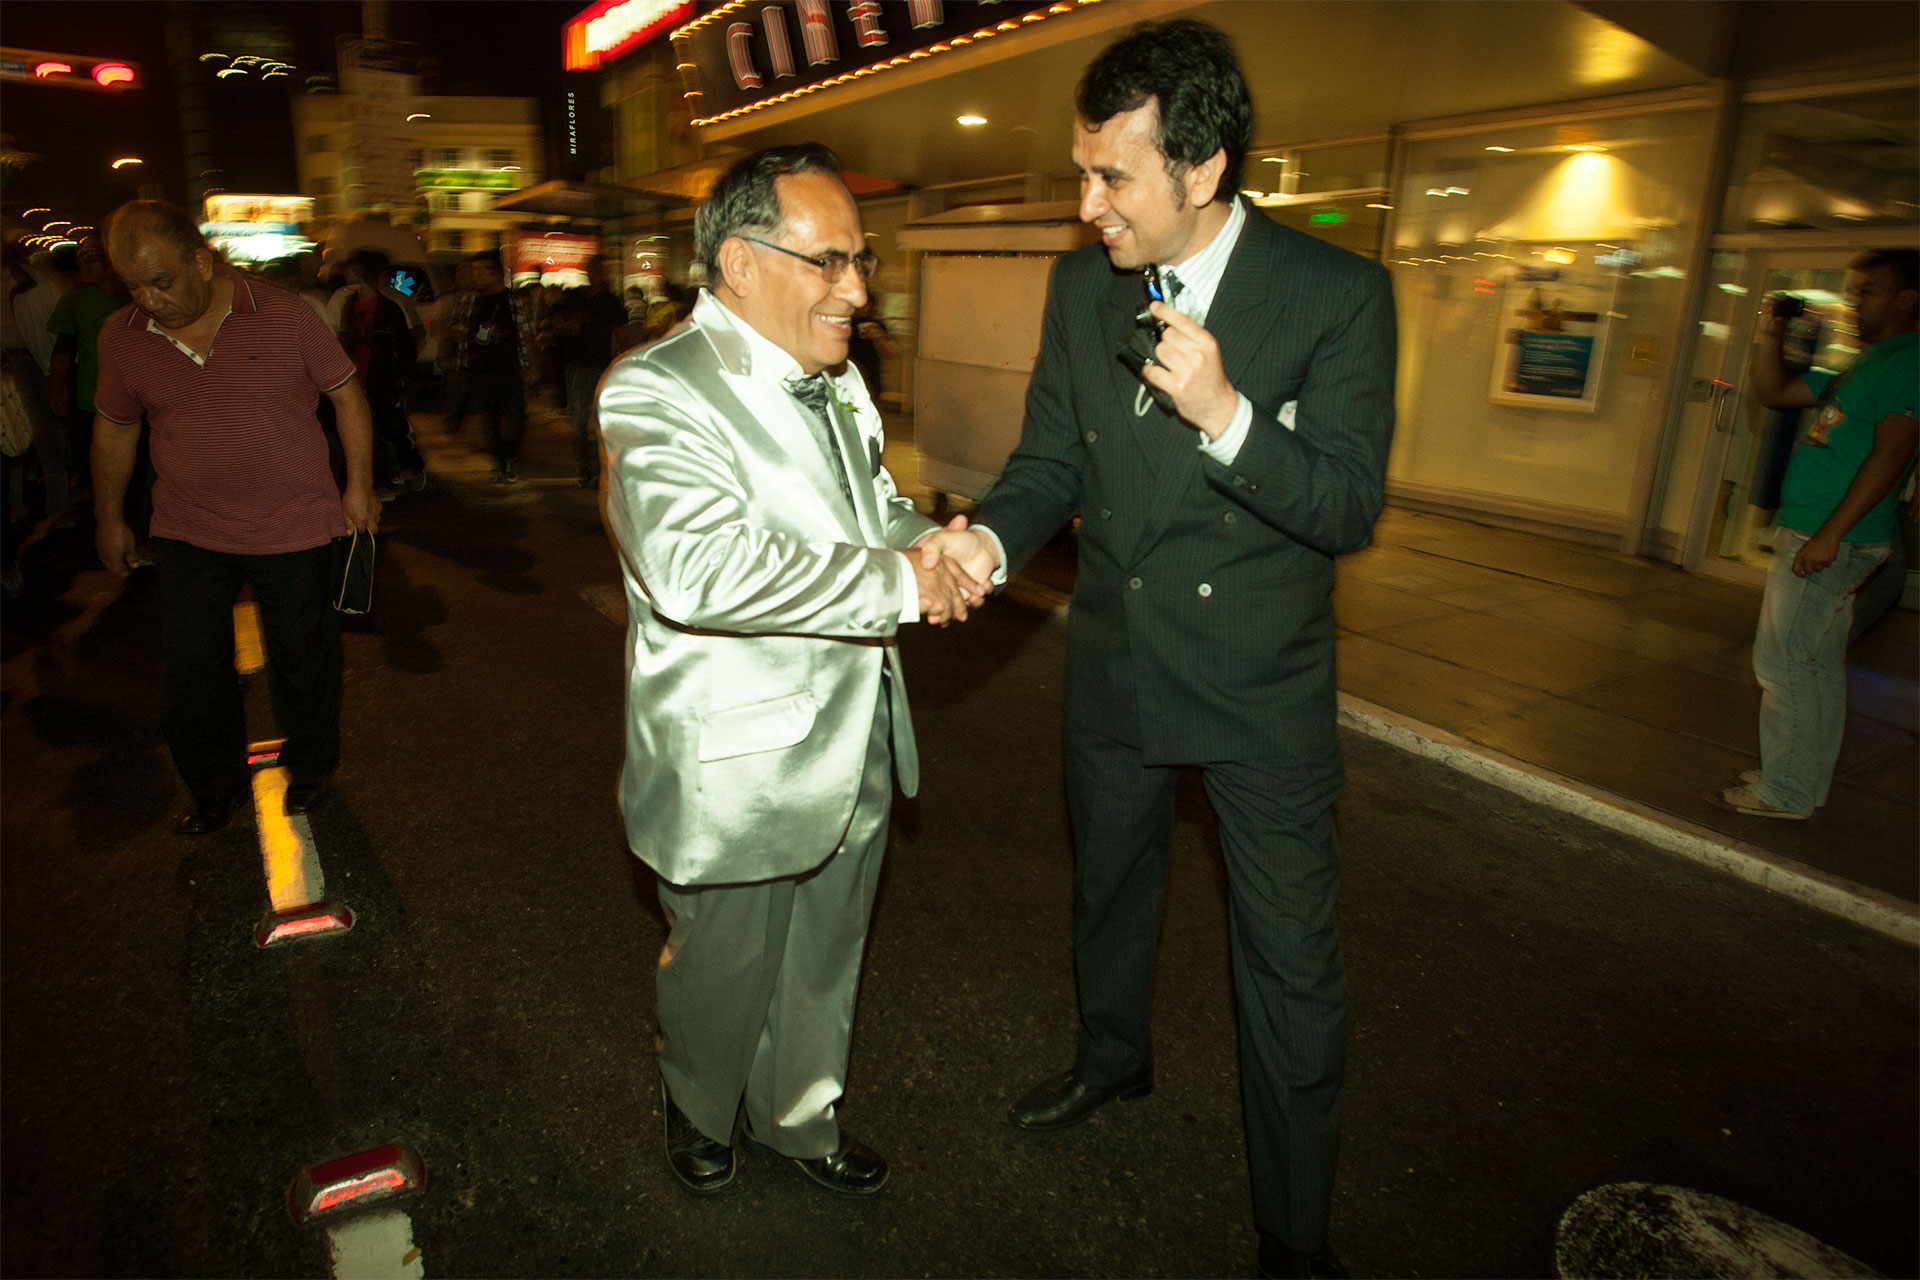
(1731, 531)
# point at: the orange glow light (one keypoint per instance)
(108, 74)
(44, 69)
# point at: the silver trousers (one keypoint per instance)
(757, 983)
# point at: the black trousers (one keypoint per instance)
(499, 394)
(394, 450)
(1283, 878)
(203, 718)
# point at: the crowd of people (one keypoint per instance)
(498, 344)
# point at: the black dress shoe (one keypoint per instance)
(702, 1164)
(305, 797)
(1277, 1261)
(854, 1170)
(206, 817)
(1063, 1100)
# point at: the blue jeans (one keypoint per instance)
(1800, 659)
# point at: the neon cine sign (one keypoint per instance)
(613, 27)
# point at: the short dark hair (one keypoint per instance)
(488, 257)
(165, 222)
(1903, 263)
(747, 199)
(1188, 68)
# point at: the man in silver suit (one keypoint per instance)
(763, 549)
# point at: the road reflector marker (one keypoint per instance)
(265, 755)
(352, 1182)
(249, 654)
(312, 920)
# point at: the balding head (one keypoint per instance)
(164, 259)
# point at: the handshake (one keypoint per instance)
(953, 567)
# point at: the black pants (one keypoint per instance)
(394, 450)
(499, 395)
(204, 721)
(1283, 878)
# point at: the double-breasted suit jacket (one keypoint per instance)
(1202, 627)
(761, 608)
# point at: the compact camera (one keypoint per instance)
(1786, 306)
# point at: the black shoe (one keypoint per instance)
(206, 816)
(305, 797)
(703, 1165)
(1063, 1100)
(854, 1170)
(1279, 1262)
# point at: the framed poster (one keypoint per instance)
(1552, 334)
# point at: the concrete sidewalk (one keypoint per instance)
(1615, 687)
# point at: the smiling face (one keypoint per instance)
(173, 287)
(1144, 216)
(790, 302)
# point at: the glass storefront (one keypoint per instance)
(1539, 275)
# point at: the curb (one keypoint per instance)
(1856, 903)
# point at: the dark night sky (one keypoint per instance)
(490, 47)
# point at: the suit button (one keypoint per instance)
(1092, 436)
(1232, 516)
(1239, 482)
(1134, 583)
(1106, 513)
(1206, 589)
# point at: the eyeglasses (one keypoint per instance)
(833, 264)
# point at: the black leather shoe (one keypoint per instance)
(702, 1164)
(1063, 1101)
(1279, 1262)
(305, 797)
(206, 817)
(854, 1170)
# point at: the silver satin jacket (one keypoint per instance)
(761, 610)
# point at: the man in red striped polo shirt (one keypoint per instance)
(228, 372)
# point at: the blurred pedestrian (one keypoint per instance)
(39, 285)
(374, 331)
(593, 329)
(244, 496)
(495, 361)
(75, 325)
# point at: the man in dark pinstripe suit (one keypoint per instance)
(1201, 630)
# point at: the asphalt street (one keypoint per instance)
(1538, 1007)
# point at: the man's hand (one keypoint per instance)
(1815, 554)
(1189, 370)
(360, 507)
(113, 539)
(971, 551)
(945, 591)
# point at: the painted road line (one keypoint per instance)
(1835, 895)
(377, 1247)
(249, 654)
(294, 878)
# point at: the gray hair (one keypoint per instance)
(746, 199)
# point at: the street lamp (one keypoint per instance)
(124, 161)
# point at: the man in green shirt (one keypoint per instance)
(1834, 528)
(75, 325)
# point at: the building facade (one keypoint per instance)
(1582, 204)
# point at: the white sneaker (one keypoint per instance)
(1746, 800)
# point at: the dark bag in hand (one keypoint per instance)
(353, 572)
